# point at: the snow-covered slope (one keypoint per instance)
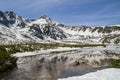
(112, 38)
(85, 31)
(14, 28)
(105, 74)
(45, 28)
(17, 29)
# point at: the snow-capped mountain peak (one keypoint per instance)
(11, 19)
(22, 29)
(44, 20)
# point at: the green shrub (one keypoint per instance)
(115, 63)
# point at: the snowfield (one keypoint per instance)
(86, 50)
(105, 74)
(43, 51)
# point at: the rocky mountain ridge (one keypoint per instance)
(14, 28)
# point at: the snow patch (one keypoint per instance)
(105, 74)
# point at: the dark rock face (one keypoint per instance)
(9, 18)
(14, 19)
(36, 31)
(100, 29)
(3, 19)
(47, 31)
(53, 32)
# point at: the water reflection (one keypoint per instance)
(44, 69)
(52, 68)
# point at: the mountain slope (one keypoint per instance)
(91, 32)
(15, 29)
(115, 38)
(21, 29)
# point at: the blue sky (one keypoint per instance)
(69, 12)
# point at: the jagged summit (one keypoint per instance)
(44, 17)
(10, 19)
(44, 20)
(3, 19)
(10, 13)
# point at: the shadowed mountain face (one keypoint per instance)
(3, 19)
(44, 28)
(14, 19)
